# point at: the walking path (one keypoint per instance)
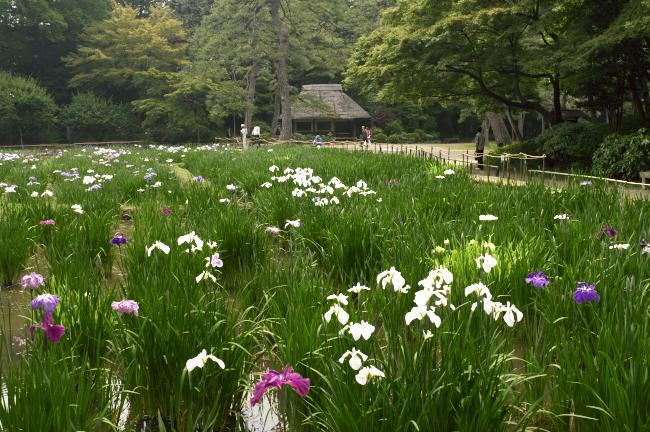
(460, 154)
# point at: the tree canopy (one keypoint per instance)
(436, 66)
(26, 108)
(116, 51)
(509, 55)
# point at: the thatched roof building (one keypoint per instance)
(325, 108)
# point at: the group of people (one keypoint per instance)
(366, 136)
(255, 135)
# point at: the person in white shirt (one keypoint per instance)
(256, 135)
(244, 135)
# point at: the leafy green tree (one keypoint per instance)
(439, 50)
(114, 51)
(610, 57)
(26, 108)
(35, 34)
(301, 41)
(143, 7)
(191, 12)
(180, 110)
(236, 39)
(89, 116)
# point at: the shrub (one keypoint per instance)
(570, 144)
(93, 117)
(310, 137)
(411, 137)
(431, 137)
(26, 109)
(623, 156)
(380, 137)
(393, 127)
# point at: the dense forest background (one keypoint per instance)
(190, 70)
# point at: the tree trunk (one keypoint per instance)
(485, 128)
(20, 135)
(250, 99)
(516, 133)
(521, 125)
(499, 129)
(557, 98)
(636, 90)
(276, 111)
(282, 73)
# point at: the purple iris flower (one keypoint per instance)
(47, 302)
(126, 307)
(119, 239)
(166, 211)
(47, 222)
(586, 293)
(538, 280)
(52, 331)
(32, 280)
(275, 379)
(272, 230)
(606, 229)
(199, 179)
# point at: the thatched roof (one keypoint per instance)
(326, 101)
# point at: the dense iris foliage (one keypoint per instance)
(286, 250)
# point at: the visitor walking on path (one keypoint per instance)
(369, 136)
(255, 135)
(364, 136)
(479, 140)
(318, 141)
(244, 135)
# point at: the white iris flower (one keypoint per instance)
(201, 360)
(160, 246)
(367, 373)
(356, 358)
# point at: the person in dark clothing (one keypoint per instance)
(364, 137)
(479, 140)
